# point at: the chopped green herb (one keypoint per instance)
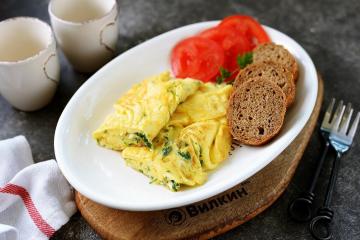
(245, 59)
(174, 185)
(224, 74)
(199, 150)
(166, 138)
(185, 155)
(141, 171)
(144, 138)
(152, 180)
(166, 150)
(172, 91)
(201, 162)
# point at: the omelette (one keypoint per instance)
(194, 139)
(143, 111)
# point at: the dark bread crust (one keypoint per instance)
(272, 71)
(276, 53)
(256, 111)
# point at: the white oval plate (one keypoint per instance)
(102, 175)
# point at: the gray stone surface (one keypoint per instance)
(328, 30)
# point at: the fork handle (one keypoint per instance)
(300, 209)
(325, 214)
(320, 225)
(333, 177)
(319, 167)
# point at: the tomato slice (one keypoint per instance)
(246, 25)
(198, 58)
(234, 44)
(242, 46)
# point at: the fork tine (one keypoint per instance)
(354, 126)
(337, 112)
(344, 125)
(328, 112)
(337, 120)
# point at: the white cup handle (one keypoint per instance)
(102, 32)
(46, 63)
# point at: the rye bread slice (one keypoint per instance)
(276, 53)
(272, 71)
(256, 111)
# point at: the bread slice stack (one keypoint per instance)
(263, 91)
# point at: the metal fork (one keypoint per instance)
(300, 208)
(341, 139)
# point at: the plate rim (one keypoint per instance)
(178, 201)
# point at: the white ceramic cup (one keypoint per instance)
(86, 30)
(29, 66)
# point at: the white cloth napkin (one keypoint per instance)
(35, 199)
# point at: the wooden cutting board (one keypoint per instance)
(210, 217)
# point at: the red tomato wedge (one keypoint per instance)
(233, 44)
(248, 26)
(201, 57)
(198, 58)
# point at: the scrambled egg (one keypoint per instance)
(193, 140)
(143, 111)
